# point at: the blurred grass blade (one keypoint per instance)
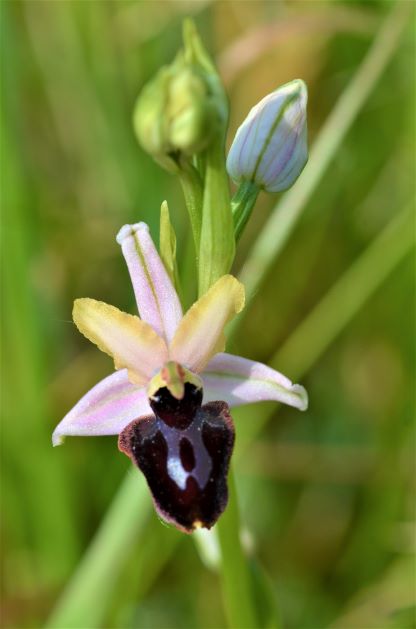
(388, 603)
(85, 601)
(343, 300)
(333, 313)
(37, 487)
(282, 221)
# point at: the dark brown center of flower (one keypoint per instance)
(184, 452)
(176, 413)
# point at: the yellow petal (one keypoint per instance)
(200, 334)
(132, 343)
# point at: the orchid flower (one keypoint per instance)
(166, 364)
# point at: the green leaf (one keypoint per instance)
(167, 245)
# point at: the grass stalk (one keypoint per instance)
(334, 312)
(85, 601)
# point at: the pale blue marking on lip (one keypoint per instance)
(203, 464)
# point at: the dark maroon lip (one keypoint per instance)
(176, 413)
(184, 456)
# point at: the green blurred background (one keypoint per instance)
(327, 496)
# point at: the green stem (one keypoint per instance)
(242, 205)
(217, 247)
(192, 189)
(235, 573)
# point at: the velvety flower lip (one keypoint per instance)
(141, 346)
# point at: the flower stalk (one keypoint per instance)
(242, 205)
(192, 188)
(235, 571)
(217, 247)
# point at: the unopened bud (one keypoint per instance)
(270, 147)
(176, 114)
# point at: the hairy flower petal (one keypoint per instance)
(240, 381)
(105, 410)
(156, 297)
(131, 342)
(200, 334)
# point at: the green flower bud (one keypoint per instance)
(191, 112)
(182, 109)
(149, 121)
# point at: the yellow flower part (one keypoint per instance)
(131, 342)
(200, 334)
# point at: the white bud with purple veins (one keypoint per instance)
(270, 147)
